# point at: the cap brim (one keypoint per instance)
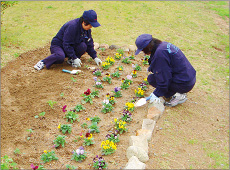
(95, 24)
(138, 51)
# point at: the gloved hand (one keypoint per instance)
(76, 62)
(98, 61)
(154, 98)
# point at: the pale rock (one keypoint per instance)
(125, 48)
(154, 113)
(105, 46)
(144, 133)
(139, 141)
(114, 47)
(148, 124)
(134, 163)
(132, 48)
(160, 106)
(138, 152)
(96, 45)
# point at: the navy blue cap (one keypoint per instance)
(142, 41)
(91, 16)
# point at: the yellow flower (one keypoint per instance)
(90, 136)
(145, 79)
(107, 142)
(111, 98)
(115, 120)
(117, 53)
(81, 136)
(45, 151)
(59, 126)
(120, 68)
(134, 72)
(87, 118)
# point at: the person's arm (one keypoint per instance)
(90, 46)
(69, 40)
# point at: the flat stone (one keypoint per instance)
(144, 133)
(105, 46)
(114, 47)
(138, 152)
(154, 113)
(139, 141)
(132, 48)
(125, 48)
(148, 124)
(134, 163)
(96, 45)
(160, 106)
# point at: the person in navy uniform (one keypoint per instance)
(72, 41)
(172, 74)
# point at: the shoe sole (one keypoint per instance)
(172, 105)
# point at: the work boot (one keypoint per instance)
(178, 98)
(40, 65)
(70, 61)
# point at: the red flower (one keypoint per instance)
(87, 135)
(33, 167)
(64, 108)
(87, 92)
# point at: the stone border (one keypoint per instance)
(137, 152)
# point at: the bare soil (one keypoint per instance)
(25, 93)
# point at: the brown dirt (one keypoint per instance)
(25, 92)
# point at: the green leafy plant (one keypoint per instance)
(134, 74)
(145, 60)
(84, 125)
(108, 147)
(129, 106)
(51, 103)
(79, 108)
(8, 163)
(120, 51)
(131, 57)
(74, 80)
(118, 56)
(95, 93)
(87, 97)
(113, 137)
(79, 155)
(60, 140)
(71, 116)
(120, 126)
(107, 78)
(110, 60)
(62, 94)
(120, 68)
(94, 128)
(30, 133)
(117, 92)
(116, 74)
(98, 84)
(95, 119)
(99, 163)
(143, 86)
(70, 167)
(102, 49)
(105, 65)
(17, 151)
(136, 67)
(139, 92)
(65, 128)
(42, 114)
(107, 107)
(111, 100)
(126, 116)
(48, 156)
(88, 140)
(126, 60)
(97, 72)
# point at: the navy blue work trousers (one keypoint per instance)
(58, 55)
(173, 87)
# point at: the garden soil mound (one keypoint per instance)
(26, 91)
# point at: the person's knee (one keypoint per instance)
(60, 58)
(151, 80)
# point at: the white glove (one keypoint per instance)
(76, 62)
(154, 98)
(98, 61)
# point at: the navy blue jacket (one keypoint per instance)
(71, 35)
(169, 65)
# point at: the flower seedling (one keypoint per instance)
(74, 80)
(139, 92)
(120, 126)
(87, 97)
(65, 128)
(60, 140)
(62, 94)
(94, 128)
(97, 72)
(116, 74)
(89, 140)
(131, 57)
(107, 78)
(95, 93)
(107, 107)
(110, 60)
(105, 65)
(145, 60)
(134, 74)
(79, 108)
(98, 84)
(79, 155)
(143, 86)
(117, 92)
(70, 167)
(71, 116)
(39, 167)
(64, 108)
(84, 125)
(127, 116)
(95, 119)
(102, 49)
(17, 151)
(30, 133)
(48, 156)
(118, 56)
(111, 100)
(99, 163)
(136, 67)
(108, 147)
(120, 68)
(126, 60)
(7, 163)
(125, 86)
(51, 103)
(129, 106)
(120, 51)
(146, 81)
(42, 114)
(113, 137)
